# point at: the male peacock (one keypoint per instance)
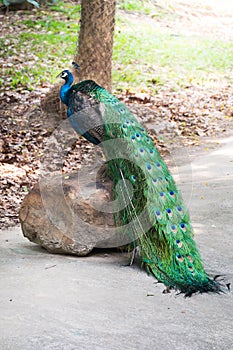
(150, 207)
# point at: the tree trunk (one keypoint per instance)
(95, 44)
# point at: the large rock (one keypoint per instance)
(65, 214)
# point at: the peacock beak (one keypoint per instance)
(59, 75)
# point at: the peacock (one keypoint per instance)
(150, 208)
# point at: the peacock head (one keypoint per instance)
(67, 76)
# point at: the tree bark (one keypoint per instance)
(95, 43)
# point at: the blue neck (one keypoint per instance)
(64, 91)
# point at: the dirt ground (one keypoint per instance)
(195, 117)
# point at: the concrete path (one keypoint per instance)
(51, 302)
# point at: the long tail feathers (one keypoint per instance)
(187, 278)
(151, 210)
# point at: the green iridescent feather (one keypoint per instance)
(150, 207)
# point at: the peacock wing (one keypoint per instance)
(85, 115)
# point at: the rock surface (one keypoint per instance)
(65, 215)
